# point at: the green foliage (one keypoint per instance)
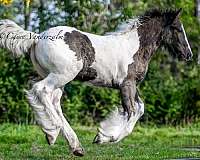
(171, 90)
(13, 80)
(88, 103)
(146, 143)
(171, 98)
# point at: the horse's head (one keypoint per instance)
(174, 36)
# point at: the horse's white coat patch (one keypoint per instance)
(186, 38)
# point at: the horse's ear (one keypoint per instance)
(170, 17)
(178, 13)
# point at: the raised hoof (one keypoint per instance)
(50, 140)
(101, 138)
(79, 152)
(97, 139)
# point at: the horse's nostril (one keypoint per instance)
(189, 56)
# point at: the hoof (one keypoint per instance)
(97, 139)
(101, 138)
(78, 152)
(50, 140)
(51, 135)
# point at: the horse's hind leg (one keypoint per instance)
(66, 129)
(40, 97)
(45, 114)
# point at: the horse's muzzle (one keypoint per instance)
(189, 56)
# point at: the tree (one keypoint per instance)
(168, 98)
(198, 16)
(27, 11)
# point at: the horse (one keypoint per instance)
(118, 60)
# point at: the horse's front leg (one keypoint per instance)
(122, 121)
(128, 91)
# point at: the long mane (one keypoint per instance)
(133, 23)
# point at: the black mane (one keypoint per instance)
(157, 13)
(153, 13)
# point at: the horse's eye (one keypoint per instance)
(176, 28)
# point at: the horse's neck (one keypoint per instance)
(150, 36)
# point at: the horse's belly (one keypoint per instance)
(110, 75)
(102, 82)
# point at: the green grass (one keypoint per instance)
(28, 142)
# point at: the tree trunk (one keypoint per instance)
(26, 15)
(41, 16)
(198, 16)
(66, 9)
(198, 9)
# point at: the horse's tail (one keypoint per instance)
(14, 38)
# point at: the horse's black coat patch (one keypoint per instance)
(82, 46)
(86, 75)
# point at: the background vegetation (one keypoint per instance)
(171, 90)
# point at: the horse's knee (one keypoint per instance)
(35, 92)
(42, 90)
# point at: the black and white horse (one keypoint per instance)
(118, 60)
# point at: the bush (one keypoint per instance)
(171, 90)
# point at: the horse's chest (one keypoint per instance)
(138, 69)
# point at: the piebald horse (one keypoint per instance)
(117, 60)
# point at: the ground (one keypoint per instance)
(152, 143)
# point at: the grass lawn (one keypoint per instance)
(28, 142)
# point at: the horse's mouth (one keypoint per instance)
(187, 57)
